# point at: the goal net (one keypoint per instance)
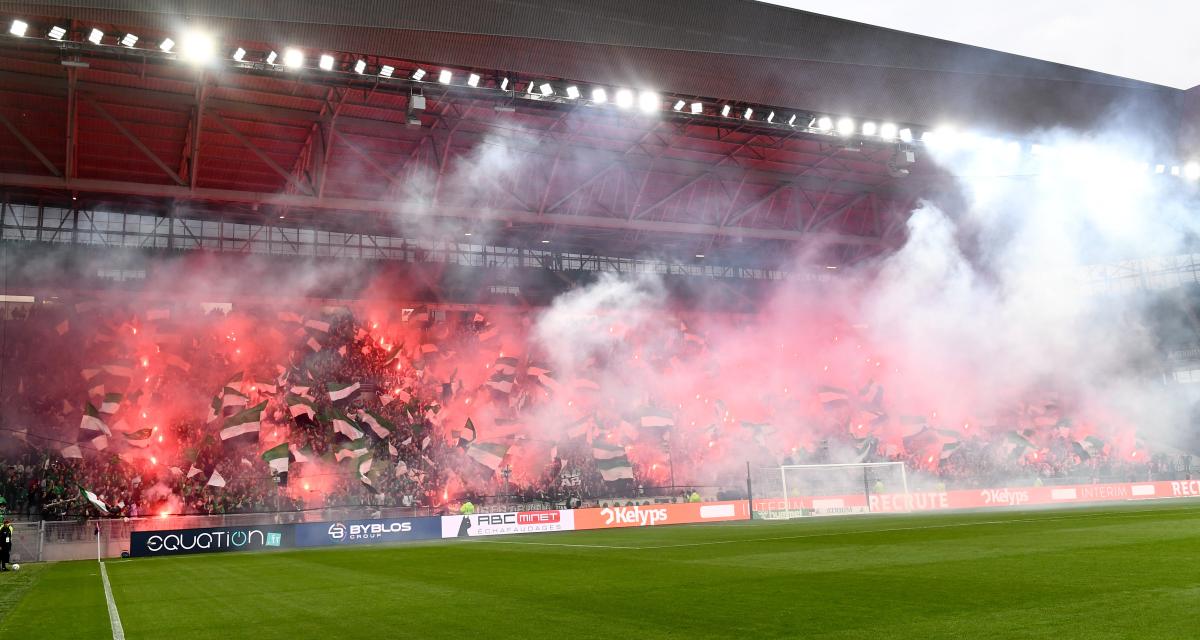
(794, 491)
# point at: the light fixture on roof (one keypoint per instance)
(545, 242)
(906, 135)
(504, 84)
(546, 90)
(697, 108)
(56, 33)
(792, 120)
(624, 98)
(1159, 168)
(771, 117)
(869, 128)
(1191, 171)
(293, 58)
(649, 102)
(239, 54)
(95, 36)
(1175, 170)
(473, 80)
(129, 40)
(824, 123)
(272, 57)
(532, 88)
(444, 76)
(197, 47)
(166, 45)
(679, 105)
(845, 126)
(360, 66)
(599, 95)
(326, 62)
(572, 92)
(725, 111)
(748, 113)
(699, 255)
(18, 28)
(387, 70)
(418, 74)
(887, 131)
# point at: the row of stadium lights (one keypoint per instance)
(199, 48)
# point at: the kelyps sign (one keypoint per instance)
(178, 541)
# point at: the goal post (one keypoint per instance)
(793, 491)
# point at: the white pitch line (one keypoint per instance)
(114, 618)
(829, 534)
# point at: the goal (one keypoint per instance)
(793, 491)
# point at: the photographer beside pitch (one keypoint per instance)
(6, 535)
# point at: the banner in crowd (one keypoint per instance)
(342, 532)
(658, 514)
(500, 524)
(986, 498)
(171, 542)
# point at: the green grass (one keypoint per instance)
(1126, 572)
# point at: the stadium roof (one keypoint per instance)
(246, 140)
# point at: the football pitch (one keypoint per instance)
(1123, 572)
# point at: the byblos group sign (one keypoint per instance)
(319, 534)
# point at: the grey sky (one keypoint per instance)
(1150, 40)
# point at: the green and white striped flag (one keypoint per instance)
(298, 406)
(244, 426)
(231, 397)
(352, 449)
(112, 402)
(381, 426)
(339, 392)
(277, 459)
(72, 451)
(611, 461)
(91, 420)
(488, 454)
(140, 438)
(343, 425)
(96, 502)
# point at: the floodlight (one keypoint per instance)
(418, 74)
(792, 120)
(166, 45)
(824, 123)
(679, 104)
(697, 108)
(532, 88)
(360, 66)
(197, 47)
(239, 54)
(95, 36)
(272, 57)
(887, 131)
(869, 128)
(387, 70)
(129, 40)
(546, 90)
(845, 126)
(293, 58)
(18, 28)
(649, 102)
(473, 80)
(444, 76)
(906, 135)
(1175, 170)
(725, 111)
(572, 92)
(624, 98)
(771, 117)
(1191, 171)
(504, 84)
(748, 113)
(1159, 168)
(599, 95)
(326, 62)
(699, 255)
(57, 33)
